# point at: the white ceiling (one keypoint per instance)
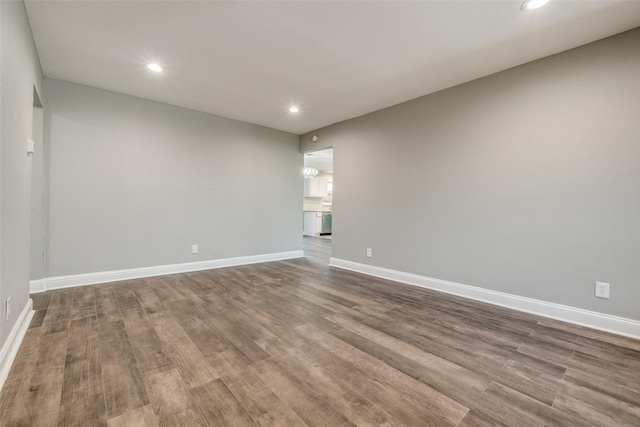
(336, 60)
(321, 160)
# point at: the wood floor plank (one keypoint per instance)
(273, 346)
(193, 287)
(328, 304)
(139, 417)
(45, 396)
(594, 408)
(299, 343)
(302, 399)
(83, 343)
(477, 418)
(58, 312)
(215, 280)
(609, 353)
(106, 304)
(219, 322)
(289, 312)
(184, 354)
(85, 411)
(268, 322)
(41, 300)
(438, 370)
(123, 386)
(358, 299)
(602, 337)
(558, 354)
(219, 406)
(208, 283)
(354, 406)
(165, 292)
(401, 388)
(459, 354)
(12, 405)
(148, 299)
(171, 400)
(539, 364)
(617, 373)
(521, 403)
(147, 346)
(126, 297)
(82, 402)
(259, 401)
(114, 342)
(532, 374)
(604, 385)
(37, 319)
(84, 302)
(171, 288)
(440, 340)
(185, 287)
(44, 390)
(193, 321)
(53, 349)
(228, 362)
(223, 307)
(451, 326)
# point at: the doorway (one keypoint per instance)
(317, 206)
(37, 228)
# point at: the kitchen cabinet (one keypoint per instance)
(312, 223)
(316, 187)
(316, 223)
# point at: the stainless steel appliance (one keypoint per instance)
(326, 224)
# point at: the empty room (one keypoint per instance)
(320, 213)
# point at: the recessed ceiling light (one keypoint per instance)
(293, 109)
(533, 4)
(154, 67)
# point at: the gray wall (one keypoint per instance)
(134, 183)
(526, 181)
(20, 71)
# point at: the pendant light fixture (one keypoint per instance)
(308, 171)
(533, 4)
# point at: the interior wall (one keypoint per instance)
(21, 72)
(525, 182)
(135, 183)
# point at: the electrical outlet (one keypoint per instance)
(8, 309)
(194, 249)
(369, 253)
(602, 290)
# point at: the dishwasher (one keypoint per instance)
(326, 224)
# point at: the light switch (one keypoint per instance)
(31, 146)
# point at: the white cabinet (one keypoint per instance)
(315, 187)
(312, 223)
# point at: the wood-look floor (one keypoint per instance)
(317, 249)
(298, 343)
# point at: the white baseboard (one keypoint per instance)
(60, 282)
(591, 319)
(36, 286)
(11, 346)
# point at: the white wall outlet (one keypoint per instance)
(602, 290)
(369, 253)
(194, 249)
(8, 309)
